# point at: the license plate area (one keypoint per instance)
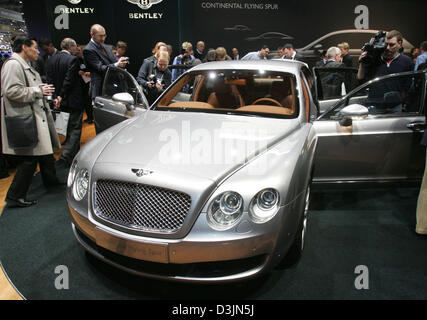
(154, 252)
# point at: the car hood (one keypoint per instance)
(205, 145)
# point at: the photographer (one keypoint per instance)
(185, 58)
(383, 56)
(155, 79)
(380, 57)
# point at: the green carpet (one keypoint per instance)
(373, 227)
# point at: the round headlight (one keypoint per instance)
(225, 210)
(72, 174)
(264, 205)
(81, 185)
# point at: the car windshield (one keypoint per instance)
(245, 92)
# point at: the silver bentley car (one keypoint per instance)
(212, 183)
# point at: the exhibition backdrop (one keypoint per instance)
(244, 24)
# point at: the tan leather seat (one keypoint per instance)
(226, 96)
(281, 92)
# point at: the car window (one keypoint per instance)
(119, 81)
(333, 83)
(389, 96)
(254, 92)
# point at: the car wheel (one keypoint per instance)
(295, 251)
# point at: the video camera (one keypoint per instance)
(374, 48)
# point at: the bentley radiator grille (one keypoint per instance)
(141, 207)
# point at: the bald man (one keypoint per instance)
(98, 57)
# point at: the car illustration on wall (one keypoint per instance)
(238, 27)
(269, 36)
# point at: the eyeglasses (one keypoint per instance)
(391, 44)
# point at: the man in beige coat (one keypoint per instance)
(16, 99)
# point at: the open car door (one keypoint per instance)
(122, 98)
(332, 84)
(374, 133)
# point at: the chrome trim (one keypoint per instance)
(234, 277)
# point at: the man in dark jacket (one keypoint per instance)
(155, 79)
(62, 70)
(332, 80)
(291, 54)
(98, 57)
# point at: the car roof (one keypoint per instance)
(288, 66)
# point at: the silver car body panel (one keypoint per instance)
(155, 149)
(277, 153)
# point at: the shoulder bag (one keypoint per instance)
(21, 130)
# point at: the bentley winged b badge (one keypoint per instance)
(141, 172)
(145, 4)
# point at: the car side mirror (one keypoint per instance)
(353, 111)
(126, 99)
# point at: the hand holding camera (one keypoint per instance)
(123, 62)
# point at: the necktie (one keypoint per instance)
(103, 49)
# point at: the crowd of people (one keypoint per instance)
(72, 77)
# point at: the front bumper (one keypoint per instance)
(186, 259)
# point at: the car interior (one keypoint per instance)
(249, 92)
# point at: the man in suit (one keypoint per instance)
(235, 53)
(200, 51)
(48, 48)
(98, 57)
(332, 80)
(62, 70)
(291, 54)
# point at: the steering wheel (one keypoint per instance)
(277, 103)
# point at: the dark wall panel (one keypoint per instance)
(220, 23)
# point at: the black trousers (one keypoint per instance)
(74, 133)
(26, 166)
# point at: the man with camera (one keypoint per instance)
(383, 56)
(155, 79)
(380, 57)
(185, 58)
(98, 57)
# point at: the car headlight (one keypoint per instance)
(264, 205)
(81, 184)
(72, 174)
(225, 210)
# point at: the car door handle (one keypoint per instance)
(416, 126)
(99, 104)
